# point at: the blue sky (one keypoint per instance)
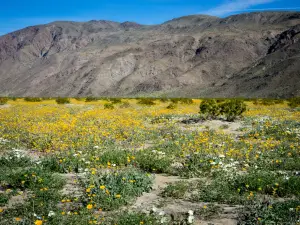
(17, 14)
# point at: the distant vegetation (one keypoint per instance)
(32, 99)
(62, 100)
(3, 100)
(231, 109)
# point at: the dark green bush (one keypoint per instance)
(232, 109)
(3, 100)
(267, 102)
(124, 105)
(108, 106)
(62, 100)
(163, 99)
(187, 101)
(146, 101)
(115, 100)
(209, 108)
(172, 106)
(32, 99)
(91, 99)
(294, 102)
(175, 100)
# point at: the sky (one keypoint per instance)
(17, 14)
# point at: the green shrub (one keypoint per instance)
(294, 102)
(108, 106)
(115, 100)
(209, 108)
(134, 218)
(91, 99)
(3, 100)
(172, 106)
(175, 100)
(115, 189)
(47, 98)
(146, 101)
(187, 101)
(124, 105)
(232, 109)
(62, 100)
(267, 102)
(159, 163)
(32, 99)
(176, 190)
(264, 212)
(13, 98)
(164, 99)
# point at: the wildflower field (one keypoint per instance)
(141, 161)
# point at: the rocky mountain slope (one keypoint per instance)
(251, 55)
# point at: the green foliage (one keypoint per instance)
(267, 102)
(133, 218)
(115, 100)
(3, 100)
(187, 101)
(4, 198)
(62, 100)
(232, 109)
(172, 106)
(175, 100)
(109, 106)
(266, 212)
(91, 99)
(32, 99)
(13, 98)
(13, 159)
(118, 188)
(159, 163)
(209, 108)
(163, 100)
(176, 190)
(46, 98)
(294, 102)
(125, 105)
(146, 101)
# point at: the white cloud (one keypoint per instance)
(234, 6)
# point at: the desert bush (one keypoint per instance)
(172, 106)
(115, 100)
(267, 102)
(219, 100)
(294, 102)
(164, 99)
(264, 212)
(113, 190)
(146, 101)
(13, 98)
(232, 109)
(209, 108)
(46, 98)
(91, 99)
(175, 100)
(108, 106)
(62, 100)
(3, 100)
(187, 101)
(278, 101)
(32, 99)
(125, 105)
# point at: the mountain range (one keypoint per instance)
(246, 55)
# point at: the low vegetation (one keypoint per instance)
(94, 162)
